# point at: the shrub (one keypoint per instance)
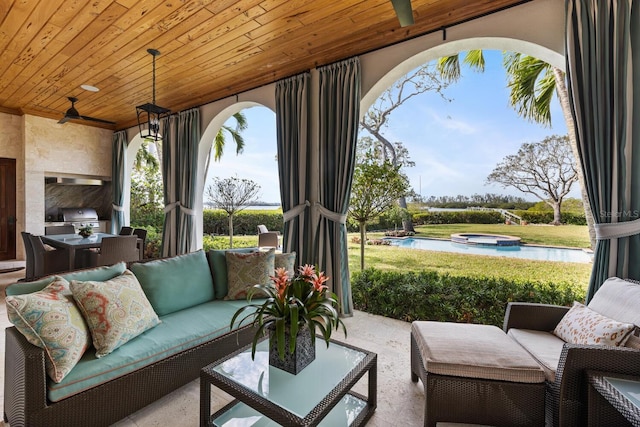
(546, 217)
(429, 295)
(216, 221)
(459, 217)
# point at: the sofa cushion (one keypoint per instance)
(543, 346)
(98, 273)
(287, 261)
(218, 266)
(116, 311)
(50, 320)
(175, 283)
(246, 270)
(473, 351)
(178, 331)
(619, 300)
(581, 325)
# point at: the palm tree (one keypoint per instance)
(532, 83)
(220, 140)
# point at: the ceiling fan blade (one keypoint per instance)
(93, 119)
(404, 12)
(64, 120)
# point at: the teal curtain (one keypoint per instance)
(118, 165)
(603, 77)
(171, 190)
(338, 122)
(292, 127)
(188, 142)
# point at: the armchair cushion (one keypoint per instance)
(543, 346)
(581, 325)
(618, 299)
(51, 320)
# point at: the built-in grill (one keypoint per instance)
(80, 217)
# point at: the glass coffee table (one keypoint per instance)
(266, 396)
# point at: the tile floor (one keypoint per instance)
(400, 402)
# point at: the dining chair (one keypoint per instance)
(28, 256)
(142, 234)
(47, 261)
(116, 249)
(59, 229)
(126, 231)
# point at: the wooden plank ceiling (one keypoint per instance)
(210, 49)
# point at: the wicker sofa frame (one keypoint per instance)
(25, 393)
(566, 399)
(502, 403)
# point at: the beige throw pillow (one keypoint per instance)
(51, 320)
(286, 261)
(244, 270)
(581, 325)
(116, 311)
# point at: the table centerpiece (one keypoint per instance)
(294, 310)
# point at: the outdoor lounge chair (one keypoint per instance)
(268, 238)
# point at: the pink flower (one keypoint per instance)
(318, 282)
(280, 281)
(307, 270)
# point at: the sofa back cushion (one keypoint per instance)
(175, 283)
(218, 265)
(618, 299)
(98, 274)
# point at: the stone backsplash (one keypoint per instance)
(71, 196)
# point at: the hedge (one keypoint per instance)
(546, 217)
(458, 217)
(216, 221)
(429, 295)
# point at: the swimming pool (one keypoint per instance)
(540, 253)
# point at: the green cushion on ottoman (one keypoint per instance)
(175, 283)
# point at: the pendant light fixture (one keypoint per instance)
(149, 115)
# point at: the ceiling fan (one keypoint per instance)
(72, 114)
(404, 12)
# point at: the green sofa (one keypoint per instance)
(186, 293)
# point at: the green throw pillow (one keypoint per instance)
(286, 261)
(246, 270)
(176, 283)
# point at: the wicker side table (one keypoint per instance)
(614, 399)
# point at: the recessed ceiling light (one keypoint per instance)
(89, 88)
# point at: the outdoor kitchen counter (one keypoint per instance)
(73, 242)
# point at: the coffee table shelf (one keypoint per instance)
(319, 395)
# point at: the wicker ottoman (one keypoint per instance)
(475, 374)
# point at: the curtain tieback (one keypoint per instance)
(295, 211)
(117, 208)
(186, 210)
(331, 215)
(171, 206)
(615, 230)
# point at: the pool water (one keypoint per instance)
(540, 253)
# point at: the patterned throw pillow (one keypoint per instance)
(246, 270)
(51, 320)
(116, 310)
(288, 261)
(581, 325)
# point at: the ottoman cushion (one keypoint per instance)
(474, 351)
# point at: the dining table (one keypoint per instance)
(74, 242)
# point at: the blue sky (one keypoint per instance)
(455, 144)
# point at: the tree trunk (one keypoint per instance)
(363, 233)
(563, 97)
(407, 224)
(557, 219)
(230, 231)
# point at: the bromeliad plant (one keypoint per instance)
(292, 303)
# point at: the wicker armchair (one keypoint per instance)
(29, 256)
(116, 249)
(45, 261)
(268, 238)
(566, 397)
(59, 229)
